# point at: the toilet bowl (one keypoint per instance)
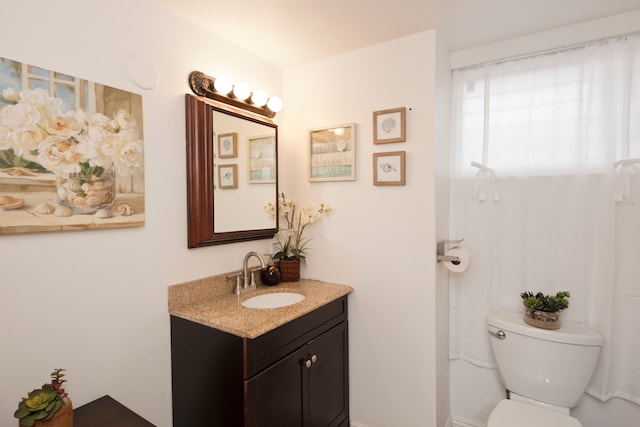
(511, 413)
(545, 371)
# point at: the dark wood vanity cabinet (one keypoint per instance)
(293, 376)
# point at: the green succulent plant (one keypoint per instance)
(42, 404)
(548, 303)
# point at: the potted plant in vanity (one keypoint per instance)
(543, 311)
(47, 406)
(290, 244)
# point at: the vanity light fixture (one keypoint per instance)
(223, 85)
(239, 95)
(241, 91)
(259, 98)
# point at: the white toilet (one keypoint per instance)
(545, 371)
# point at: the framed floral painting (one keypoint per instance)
(71, 152)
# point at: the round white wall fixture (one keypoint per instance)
(142, 72)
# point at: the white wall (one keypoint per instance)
(95, 302)
(475, 390)
(380, 240)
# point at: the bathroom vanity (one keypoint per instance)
(281, 367)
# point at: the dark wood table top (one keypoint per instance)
(107, 412)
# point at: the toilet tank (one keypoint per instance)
(550, 366)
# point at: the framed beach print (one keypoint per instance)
(262, 159)
(332, 153)
(389, 168)
(389, 126)
(228, 176)
(228, 145)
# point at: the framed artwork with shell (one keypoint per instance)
(332, 153)
(389, 126)
(389, 168)
(228, 145)
(71, 152)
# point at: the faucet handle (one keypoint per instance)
(238, 288)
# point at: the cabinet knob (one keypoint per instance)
(308, 363)
(314, 358)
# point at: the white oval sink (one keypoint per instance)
(273, 300)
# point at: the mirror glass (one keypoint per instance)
(245, 148)
(231, 173)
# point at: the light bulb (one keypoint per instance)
(223, 85)
(259, 98)
(241, 91)
(274, 104)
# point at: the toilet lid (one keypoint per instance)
(510, 413)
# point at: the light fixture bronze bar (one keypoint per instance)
(202, 85)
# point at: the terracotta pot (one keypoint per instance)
(290, 270)
(62, 418)
(542, 319)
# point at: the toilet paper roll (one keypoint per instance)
(454, 266)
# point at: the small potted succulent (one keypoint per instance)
(47, 406)
(543, 311)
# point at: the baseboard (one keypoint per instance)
(450, 423)
(463, 422)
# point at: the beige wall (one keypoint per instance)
(380, 240)
(95, 302)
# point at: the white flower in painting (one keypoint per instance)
(20, 127)
(11, 94)
(64, 126)
(128, 157)
(122, 120)
(59, 154)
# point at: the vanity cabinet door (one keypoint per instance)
(308, 388)
(274, 397)
(328, 379)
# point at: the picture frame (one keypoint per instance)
(261, 154)
(228, 176)
(389, 168)
(389, 126)
(332, 153)
(228, 145)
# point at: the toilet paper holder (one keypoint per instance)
(442, 247)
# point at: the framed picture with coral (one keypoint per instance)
(389, 168)
(228, 145)
(71, 152)
(228, 176)
(389, 126)
(332, 153)
(262, 159)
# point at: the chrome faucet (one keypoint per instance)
(245, 269)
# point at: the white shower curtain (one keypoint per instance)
(545, 190)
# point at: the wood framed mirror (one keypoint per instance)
(242, 145)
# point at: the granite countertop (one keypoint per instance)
(210, 302)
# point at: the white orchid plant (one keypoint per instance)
(290, 243)
(35, 134)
